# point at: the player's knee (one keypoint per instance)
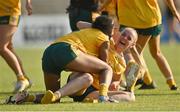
(156, 54)
(105, 68)
(3, 50)
(88, 79)
(10, 46)
(109, 69)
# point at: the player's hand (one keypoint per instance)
(177, 15)
(29, 7)
(114, 86)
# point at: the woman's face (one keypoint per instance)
(126, 40)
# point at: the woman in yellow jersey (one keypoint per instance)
(145, 17)
(89, 84)
(10, 11)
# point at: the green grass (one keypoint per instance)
(160, 99)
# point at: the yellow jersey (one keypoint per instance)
(10, 7)
(116, 61)
(139, 13)
(87, 40)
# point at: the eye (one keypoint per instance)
(124, 34)
(129, 38)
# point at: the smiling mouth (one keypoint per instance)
(122, 43)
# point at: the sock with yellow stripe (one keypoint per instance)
(20, 77)
(103, 89)
(147, 78)
(170, 81)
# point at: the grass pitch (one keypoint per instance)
(160, 99)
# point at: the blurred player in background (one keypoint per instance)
(82, 10)
(173, 26)
(145, 17)
(10, 11)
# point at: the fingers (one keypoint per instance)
(29, 10)
(29, 7)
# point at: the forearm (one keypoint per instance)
(170, 4)
(103, 52)
(114, 86)
(136, 56)
(83, 24)
(173, 9)
(116, 77)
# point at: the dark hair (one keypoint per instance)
(105, 13)
(104, 24)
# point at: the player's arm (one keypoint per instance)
(83, 24)
(114, 86)
(103, 52)
(136, 56)
(116, 77)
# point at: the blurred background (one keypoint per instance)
(171, 27)
(49, 21)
